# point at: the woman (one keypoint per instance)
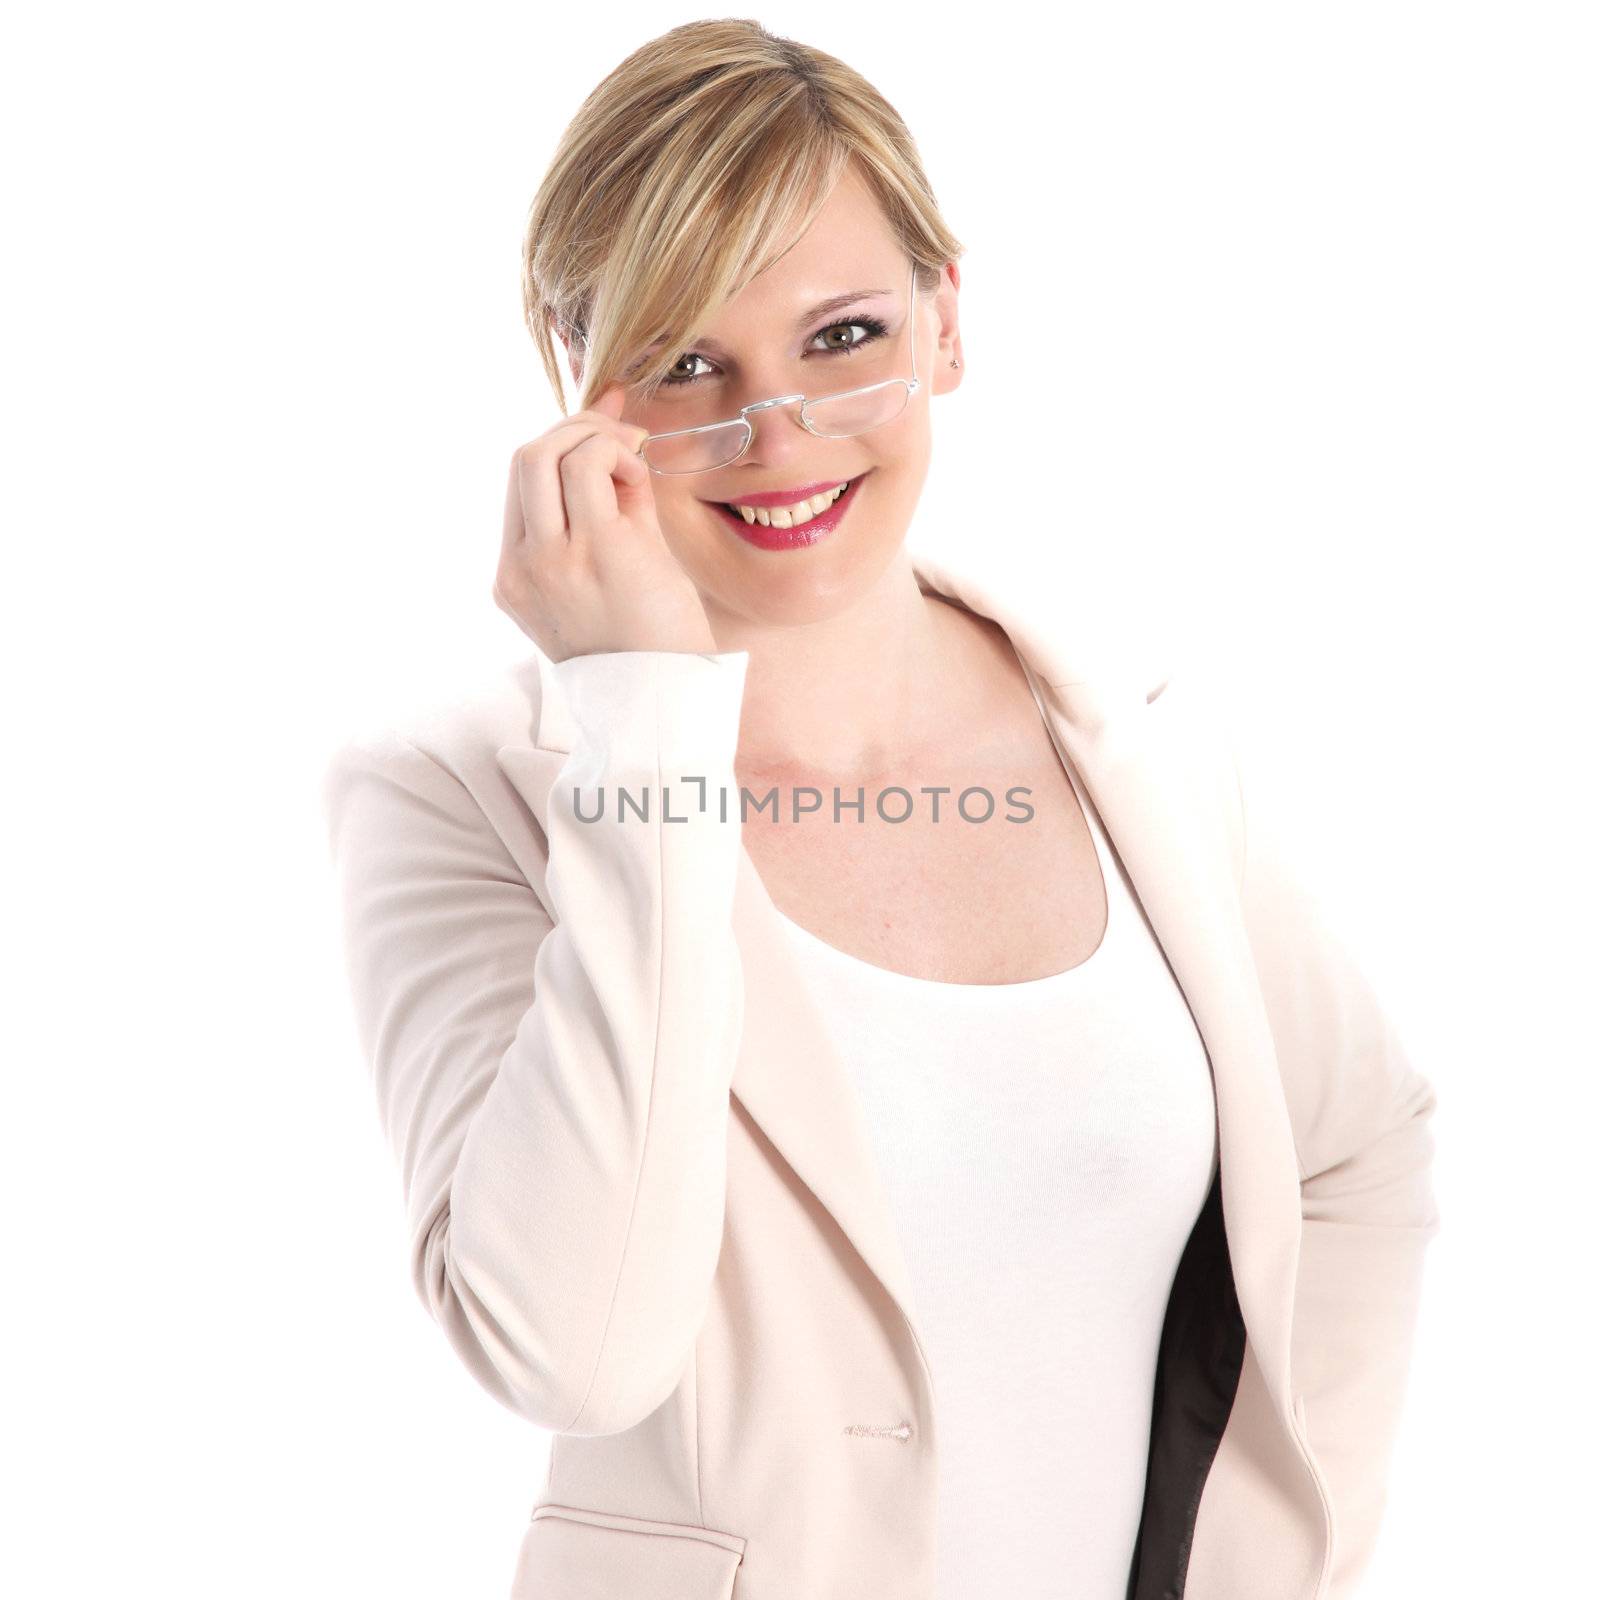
(726, 1127)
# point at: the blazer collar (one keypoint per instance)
(1100, 691)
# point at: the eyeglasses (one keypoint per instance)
(835, 416)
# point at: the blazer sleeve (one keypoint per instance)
(1361, 1114)
(555, 1086)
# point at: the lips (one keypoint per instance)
(807, 533)
(785, 497)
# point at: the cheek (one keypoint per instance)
(682, 514)
(689, 530)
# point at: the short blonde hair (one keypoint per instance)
(688, 170)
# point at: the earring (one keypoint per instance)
(954, 362)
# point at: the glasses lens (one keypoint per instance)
(841, 416)
(696, 452)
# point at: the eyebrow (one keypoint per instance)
(834, 302)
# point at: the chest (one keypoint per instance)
(982, 872)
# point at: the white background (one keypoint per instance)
(1280, 324)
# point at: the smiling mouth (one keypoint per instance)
(766, 529)
(794, 515)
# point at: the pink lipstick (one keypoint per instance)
(808, 533)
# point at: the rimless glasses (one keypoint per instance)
(836, 416)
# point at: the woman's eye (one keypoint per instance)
(853, 342)
(870, 327)
(677, 375)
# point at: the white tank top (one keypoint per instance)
(1047, 1147)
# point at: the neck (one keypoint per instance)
(859, 693)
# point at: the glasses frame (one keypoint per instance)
(912, 385)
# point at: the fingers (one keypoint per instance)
(535, 516)
(586, 481)
(562, 482)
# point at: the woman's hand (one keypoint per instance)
(583, 566)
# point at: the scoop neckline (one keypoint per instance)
(891, 976)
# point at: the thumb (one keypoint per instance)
(631, 479)
(610, 404)
(610, 401)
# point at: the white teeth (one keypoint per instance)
(791, 516)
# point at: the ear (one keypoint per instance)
(574, 351)
(944, 300)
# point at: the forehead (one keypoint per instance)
(846, 261)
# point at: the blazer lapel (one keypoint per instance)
(795, 1087)
(793, 1083)
(1133, 764)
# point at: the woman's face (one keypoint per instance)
(769, 340)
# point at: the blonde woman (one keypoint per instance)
(861, 1080)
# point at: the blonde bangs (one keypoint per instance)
(689, 170)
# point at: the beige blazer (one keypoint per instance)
(641, 1199)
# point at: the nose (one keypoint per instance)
(780, 436)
